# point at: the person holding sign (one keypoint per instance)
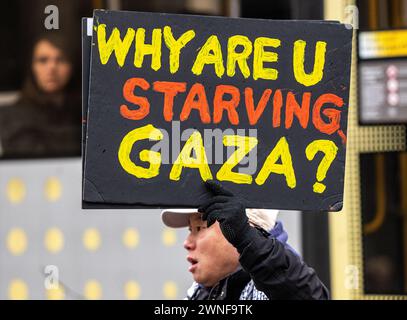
(238, 253)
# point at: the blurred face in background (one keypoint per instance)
(51, 70)
(211, 256)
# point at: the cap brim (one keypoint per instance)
(177, 218)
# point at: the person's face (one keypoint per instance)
(51, 69)
(211, 256)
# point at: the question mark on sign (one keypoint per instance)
(330, 150)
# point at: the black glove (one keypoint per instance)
(230, 211)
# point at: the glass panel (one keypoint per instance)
(384, 222)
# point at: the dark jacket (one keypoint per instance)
(29, 130)
(270, 269)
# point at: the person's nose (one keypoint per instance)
(189, 243)
(52, 65)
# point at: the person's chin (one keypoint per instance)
(51, 86)
(197, 276)
(202, 280)
(50, 89)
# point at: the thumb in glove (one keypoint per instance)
(230, 211)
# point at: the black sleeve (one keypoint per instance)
(279, 272)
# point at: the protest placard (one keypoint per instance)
(175, 100)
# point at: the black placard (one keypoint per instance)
(283, 86)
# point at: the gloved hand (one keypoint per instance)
(230, 211)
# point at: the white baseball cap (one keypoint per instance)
(179, 218)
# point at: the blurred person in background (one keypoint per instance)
(241, 254)
(46, 120)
